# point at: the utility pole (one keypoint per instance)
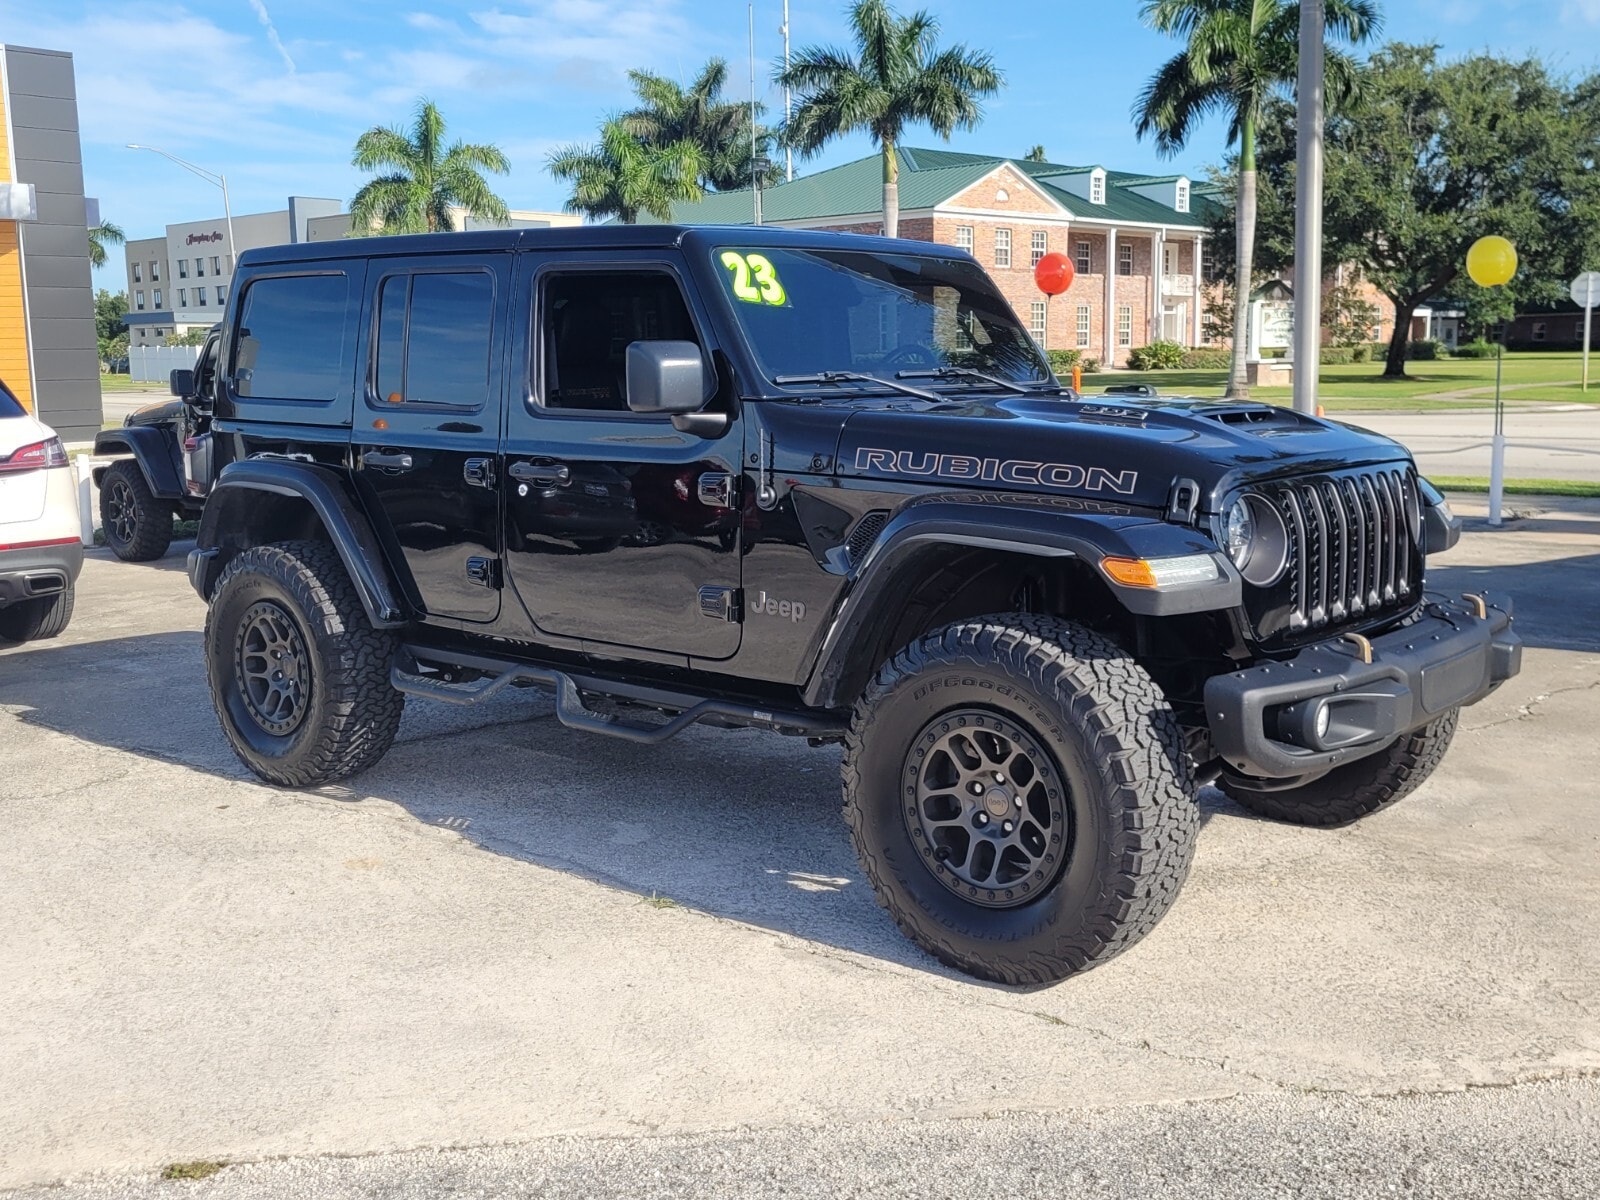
(788, 102)
(755, 159)
(1308, 209)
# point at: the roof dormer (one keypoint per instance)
(1171, 190)
(1097, 186)
(1088, 182)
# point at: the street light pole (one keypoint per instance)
(1308, 209)
(215, 180)
(788, 101)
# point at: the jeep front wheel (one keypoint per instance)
(1020, 796)
(299, 677)
(138, 526)
(1356, 789)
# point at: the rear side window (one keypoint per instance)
(291, 338)
(434, 335)
(10, 406)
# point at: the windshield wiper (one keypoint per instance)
(859, 377)
(969, 373)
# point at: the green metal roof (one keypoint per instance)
(928, 178)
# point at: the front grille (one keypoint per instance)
(1352, 550)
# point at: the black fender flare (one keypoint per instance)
(1039, 527)
(153, 447)
(341, 515)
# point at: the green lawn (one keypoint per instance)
(1360, 386)
(125, 383)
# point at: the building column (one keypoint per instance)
(1109, 325)
(1199, 291)
(1158, 262)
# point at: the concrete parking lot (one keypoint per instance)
(621, 970)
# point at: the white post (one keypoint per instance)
(1110, 331)
(85, 467)
(1199, 292)
(1588, 318)
(1307, 337)
(788, 102)
(755, 169)
(1497, 452)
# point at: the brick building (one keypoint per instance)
(1137, 240)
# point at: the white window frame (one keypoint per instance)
(199, 268)
(155, 298)
(1038, 246)
(216, 264)
(1182, 204)
(1097, 188)
(183, 297)
(1083, 256)
(1169, 259)
(1124, 324)
(200, 297)
(183, 268)
(1002, 247)
(222, 295)
(137, 277)
(1038, 320)
(1125, 259)
(1085, 320)
(155, 271)
(138, 301)
(964, 238)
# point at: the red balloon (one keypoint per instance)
(1054, 274)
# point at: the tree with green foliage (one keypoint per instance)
(897, 76)
(100, 236)
(189, 337)
(669, 113)
(425, 178)
(1239, 55)
(109, 310)
(1440, 154)
(1347, 314)
(622, 176)
(1035, 154)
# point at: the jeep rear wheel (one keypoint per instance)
(138, 526)
(1019, 794)
(299, 677)
(1356, 789)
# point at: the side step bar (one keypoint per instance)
(405, 676)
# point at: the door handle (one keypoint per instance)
(386, 460)
(545, 474)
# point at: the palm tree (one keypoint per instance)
(668, 113)
(100, 236)
(425, 180)
(1238, 54)
(1035, 154)
(896, 77)
(622, 176)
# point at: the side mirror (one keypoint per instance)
(665, 377)
(182, 382)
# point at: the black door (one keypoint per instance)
(620, 529)
(425, 437)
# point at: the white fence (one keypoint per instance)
(155, 364)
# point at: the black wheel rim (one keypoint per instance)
(986, 808)
(274, 670)
(121, 514)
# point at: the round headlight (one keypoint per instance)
(1256, 539)
(1239, 536)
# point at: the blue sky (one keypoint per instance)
(273, 92)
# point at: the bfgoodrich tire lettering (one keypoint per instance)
(1356, 789)
(1112, 741)
(295, 598)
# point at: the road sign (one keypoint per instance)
(1586, 295)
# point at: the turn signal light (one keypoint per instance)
(1161, 572)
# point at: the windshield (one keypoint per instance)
(806, 312)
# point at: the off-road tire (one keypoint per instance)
(37, 619)
(152, 517)
(1356, 789)
(1114, 742)
(351, 711)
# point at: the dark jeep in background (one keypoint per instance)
(823, 485)
(164, 467)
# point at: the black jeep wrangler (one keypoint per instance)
(827, 486)
(164, 465)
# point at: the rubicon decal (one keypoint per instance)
(1023, 471)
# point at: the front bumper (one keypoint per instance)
(1327, 706)
(28, 572)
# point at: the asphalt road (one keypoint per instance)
(1541, 443)
(658, 971)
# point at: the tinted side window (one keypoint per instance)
(291, 338)
(590, 319)
(434, 336)
(10, 406)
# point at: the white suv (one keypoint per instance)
(40, 549)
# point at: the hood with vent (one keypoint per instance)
(1108, 448)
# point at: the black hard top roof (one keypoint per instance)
(587, 237)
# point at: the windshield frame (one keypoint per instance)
(706, 250)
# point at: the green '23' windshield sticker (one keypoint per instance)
(754, 278)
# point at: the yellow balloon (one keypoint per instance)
(1492, 261)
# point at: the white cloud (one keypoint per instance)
(265, 18)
